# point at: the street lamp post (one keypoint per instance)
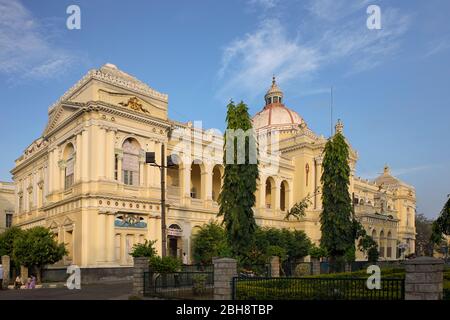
(151, 159)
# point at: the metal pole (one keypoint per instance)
(163, 202)
(331, 112)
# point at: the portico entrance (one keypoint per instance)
(174, 241)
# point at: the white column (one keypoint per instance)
(110, 238)
(78, 159)
(100, 152)
(109, 153)
(119, 167)
(262, 192)
(276, 195)
(206, 185)
(123, 252)
(141, 171)
(187, 183)
(85, 155)
(61, 173)
(101, 245)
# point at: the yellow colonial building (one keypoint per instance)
(86, 177)
(6, 205)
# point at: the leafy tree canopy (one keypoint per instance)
(338, 232)
(442, 224)
(7, 239)
(237, 196)
(37, 247)
(209, 242)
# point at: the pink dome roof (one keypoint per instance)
(276, 115)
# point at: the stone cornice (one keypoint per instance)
(130, 114)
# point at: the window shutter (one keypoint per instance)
(69, 167)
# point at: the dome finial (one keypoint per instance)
(274, 94)
(339, 127)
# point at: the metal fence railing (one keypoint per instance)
(179, 285)
(309, 288)
(254, 270)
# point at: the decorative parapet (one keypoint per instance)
(111, 75)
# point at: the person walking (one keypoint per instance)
(1, 277)
(33, 282)
(18, 283)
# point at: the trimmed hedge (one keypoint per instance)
(294, 289)
(311, 289)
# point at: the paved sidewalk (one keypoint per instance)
(118, 290)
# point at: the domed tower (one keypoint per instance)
(275, 116)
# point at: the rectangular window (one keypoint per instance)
(20, 204)
(130, 169)
(116, 167)
(130, 177)
(9, 218)
(68, 181)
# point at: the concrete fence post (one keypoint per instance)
(224, 271)
(348, 267)
(275, 266)
(424, 279)
(140, 265)
(315, 264)
(6, 268)
(24, 274)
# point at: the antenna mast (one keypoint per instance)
(331, 113)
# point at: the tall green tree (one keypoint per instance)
(424, 229)
(442, 224)
(237, 196)
(37, 247)
(337, 224)
(7, 239)
(209, 242)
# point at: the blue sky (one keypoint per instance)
(391, 86)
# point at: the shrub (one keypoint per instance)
(317, 252)
(199, 284)
(145, 249)
(302, 269)
(210, 242)
(164, 264)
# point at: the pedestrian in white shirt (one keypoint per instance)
(1, 277)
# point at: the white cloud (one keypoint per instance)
(333, 10)
(265, 4)
(436, 47)
(25, 51)
(249, 61)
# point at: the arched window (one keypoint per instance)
(389, 245)
(284, 195)
(382, 244)
(196, 181)
(130, 166)
(70, 164)
(270, 183)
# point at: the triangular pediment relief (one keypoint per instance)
(127, 101)
(53, 225)
(68, 222)
(60, 114)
